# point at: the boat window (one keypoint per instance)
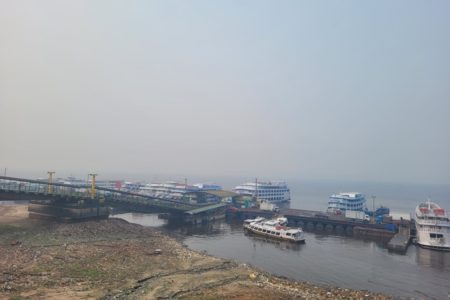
(272, 232)
(288, 234)
(278, 233)
(436, 235)
(264, 230)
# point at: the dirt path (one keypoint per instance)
(113, 259)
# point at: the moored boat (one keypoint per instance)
(276, 228)
(339, 203)
(271, 192)
(433, 226)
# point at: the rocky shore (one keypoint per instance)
(113, 259)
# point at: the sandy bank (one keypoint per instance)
(13, 213)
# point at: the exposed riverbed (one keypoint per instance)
(328, 259)
(114, 259)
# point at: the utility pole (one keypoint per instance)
(256, 190)
(50, 181)
(373, 209)
(93, 175)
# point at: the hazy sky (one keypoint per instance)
(275, 89)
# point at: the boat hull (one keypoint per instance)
(432, 227)
(269, 235)
(439, 248)
(424, 240)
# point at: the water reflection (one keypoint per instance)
(432, 258)
(12, 202)
(282, 245)
(150, 220)
(211, 229)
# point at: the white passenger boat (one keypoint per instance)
(346, 201)
(433, 226)
(272, 192)
(275, 228)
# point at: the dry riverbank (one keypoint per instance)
(113, 259)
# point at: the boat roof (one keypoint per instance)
(205, 208)
(218, 193)
(429, 209)
(272, 223)
(348, 194)
(429, 205)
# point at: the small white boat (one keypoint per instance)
(275, 228)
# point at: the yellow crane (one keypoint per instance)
(50, 181)
(93, 175)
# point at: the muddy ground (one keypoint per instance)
(113, 259)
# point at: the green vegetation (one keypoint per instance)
(6, 228)
(79, 271)
(9, 233)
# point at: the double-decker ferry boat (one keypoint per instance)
(433, 226)
(276, 228)
(273, 192)
(342, 202)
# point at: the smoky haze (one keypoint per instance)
(348, 90)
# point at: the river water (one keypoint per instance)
(332, 259)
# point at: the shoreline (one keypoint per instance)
(112, 258)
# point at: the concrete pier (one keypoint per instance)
(67, 212)
(366, 232)
(401, 241)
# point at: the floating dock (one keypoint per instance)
(400, 241)
(68, 212)
(320, 221)
(367, 232)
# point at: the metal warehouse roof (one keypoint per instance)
(205, 208)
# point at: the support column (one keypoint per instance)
(93, 175)
(50, 181)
